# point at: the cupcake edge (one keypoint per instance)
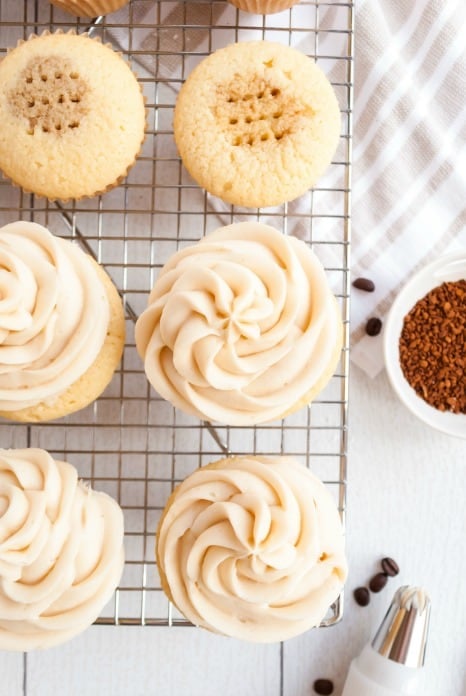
(328, 373)
(263, 6)
(89, 8)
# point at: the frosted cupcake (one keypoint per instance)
(252, 547)
(61, 325)
(242, 327)
(89, 8)
(72, 116)
(61, 551)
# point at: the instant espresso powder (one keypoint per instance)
(433, 347)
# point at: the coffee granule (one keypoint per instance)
(433, 347)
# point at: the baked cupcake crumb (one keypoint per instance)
(256, 123)
(75, 113)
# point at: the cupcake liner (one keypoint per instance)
(89, 8)
(123, 175)
(263, 6)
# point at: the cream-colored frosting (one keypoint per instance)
(252, 547)
(410, 597)
(239, 327)
(61, 550)
(54, 315)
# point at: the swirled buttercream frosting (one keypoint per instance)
(252, 547)
(54, 315)
(242, 327)
(61, 550)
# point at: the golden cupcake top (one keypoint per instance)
(54, 315)
(72, 115)
(242, 327)
(89, 8)
(252, 547)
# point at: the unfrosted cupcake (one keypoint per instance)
(257, 123)
(61, 550)
(62, 325)
(89, 8)
(72, 116)
(263, 6)
(242, 327)
(252, 547)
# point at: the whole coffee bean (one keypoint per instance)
(364, 284)
(362, 596)
(373, 326)
(324, 687)
(390, 567)
(378, 582)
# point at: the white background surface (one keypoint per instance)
(406, 499)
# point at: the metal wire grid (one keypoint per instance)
(130, 443)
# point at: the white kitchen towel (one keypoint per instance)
(409, 147)
(409, 152)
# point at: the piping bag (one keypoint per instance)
(391, 664)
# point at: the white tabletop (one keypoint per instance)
(406, 499)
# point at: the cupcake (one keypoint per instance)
(89, 8)
(256, 123)
(263, 6)
(72, 115)
(62, 326)
(241, 328)
(252, 547)
(61, 551)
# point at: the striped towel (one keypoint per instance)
(409, 155)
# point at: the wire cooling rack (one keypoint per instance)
(130, 443)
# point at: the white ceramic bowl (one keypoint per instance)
(451, 267)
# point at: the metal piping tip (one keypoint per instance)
(402, 635)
